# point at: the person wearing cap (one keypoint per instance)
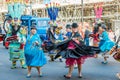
(51, 38)
(58, 34)
(51, 32)
(68, 31)
(58, 38)
(105, 43)
(54, 35)
(68, 35)
(33, 52)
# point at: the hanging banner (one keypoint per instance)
(98, 10)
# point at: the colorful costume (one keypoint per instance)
(105, 43)
(71, 47)
(33, 52)
(54, 36)
(16, 50)
(13, 35)
(58, 38)
(77, 51)
(95, 36)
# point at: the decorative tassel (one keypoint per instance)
(16, 9)
(21, 10)
(10, 10)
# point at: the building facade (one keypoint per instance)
(71, 10)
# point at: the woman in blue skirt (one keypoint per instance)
(105, 43)
(33, 53)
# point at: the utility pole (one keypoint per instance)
(117, 10)
(82, 13)
(31, 7)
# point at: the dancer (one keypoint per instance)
(16, 47)
(58, 38)
(71, 61)
(95, 36)
(54, 36)
(51, 39)
(13, 36)
(74, 51)
(105, 43)
(33, 53)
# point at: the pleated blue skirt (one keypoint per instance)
(35, 57)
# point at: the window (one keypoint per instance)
(42, 24)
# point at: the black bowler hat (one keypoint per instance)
(74, 25)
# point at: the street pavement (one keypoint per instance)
(92, 69)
